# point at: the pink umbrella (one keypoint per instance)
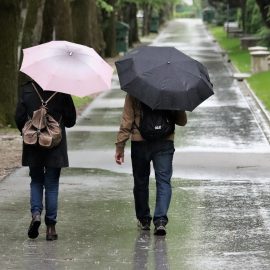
(67, 67)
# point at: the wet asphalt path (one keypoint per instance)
(219, 215)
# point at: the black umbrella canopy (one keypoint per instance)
(164, 78)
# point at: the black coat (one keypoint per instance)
(60, 107)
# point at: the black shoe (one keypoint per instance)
(160, 227)
(144, 224)
(34, 225)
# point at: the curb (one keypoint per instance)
(255, 105)
(263, 116)
(256, 99)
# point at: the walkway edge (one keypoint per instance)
(247, 91)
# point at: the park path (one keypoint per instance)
(219, 215)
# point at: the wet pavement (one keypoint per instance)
(219, 215)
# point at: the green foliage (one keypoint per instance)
(260, 84)
(197, 4)
(223, 14)
(253, 18)
(185, 11)
(239, 57)
(264, 33)
(81, 102)
(185, 15)
(104, 6)
(156, 5)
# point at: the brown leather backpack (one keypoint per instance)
(42, 129)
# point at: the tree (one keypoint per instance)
(86, 24)
(31, 31)
(264, 6)
(63, 22)
(254, 22)
(81, 22)
(129, 15)
(147, 10)
(109, 28)
(9, 22)
(95, 28)
(48, 21)
(158, 8)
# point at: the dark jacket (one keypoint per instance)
(60, 107)
(130, 121)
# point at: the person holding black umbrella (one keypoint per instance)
(162, 83)
(143, 151)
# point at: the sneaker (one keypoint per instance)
(144, 224)
(34, 226)
(160, 228)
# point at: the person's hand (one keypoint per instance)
(119, 156)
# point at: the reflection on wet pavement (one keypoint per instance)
(213, 224)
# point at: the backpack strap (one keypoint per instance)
(40, 97)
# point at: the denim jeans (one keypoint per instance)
(44, 178)
(161, 154)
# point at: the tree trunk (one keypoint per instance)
(80, 10)
(9, 22)
(63, 22)
(31, 30)
(244, 17)
(109, 22)
(166, 13)
(130, 17)
(95, 28)
(48, 21)
(100, 33)
(146, 19)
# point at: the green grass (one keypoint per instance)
(259, 82)
(8, 130)
(240, 58)
(81, 102)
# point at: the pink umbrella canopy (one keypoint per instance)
(67, 67)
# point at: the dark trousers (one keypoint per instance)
(161, 154)
(44, 178)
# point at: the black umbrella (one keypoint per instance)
(164, 78)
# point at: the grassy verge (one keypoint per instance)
(80, 103)
(8, 130)
(239, 57)
(259, 82)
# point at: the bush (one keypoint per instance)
(253, 18)
(265, 35)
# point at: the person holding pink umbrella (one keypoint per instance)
(68, 69)
(44, 164)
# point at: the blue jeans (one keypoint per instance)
(161, 154)
(44, 178)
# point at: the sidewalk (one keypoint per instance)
(219, 215)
